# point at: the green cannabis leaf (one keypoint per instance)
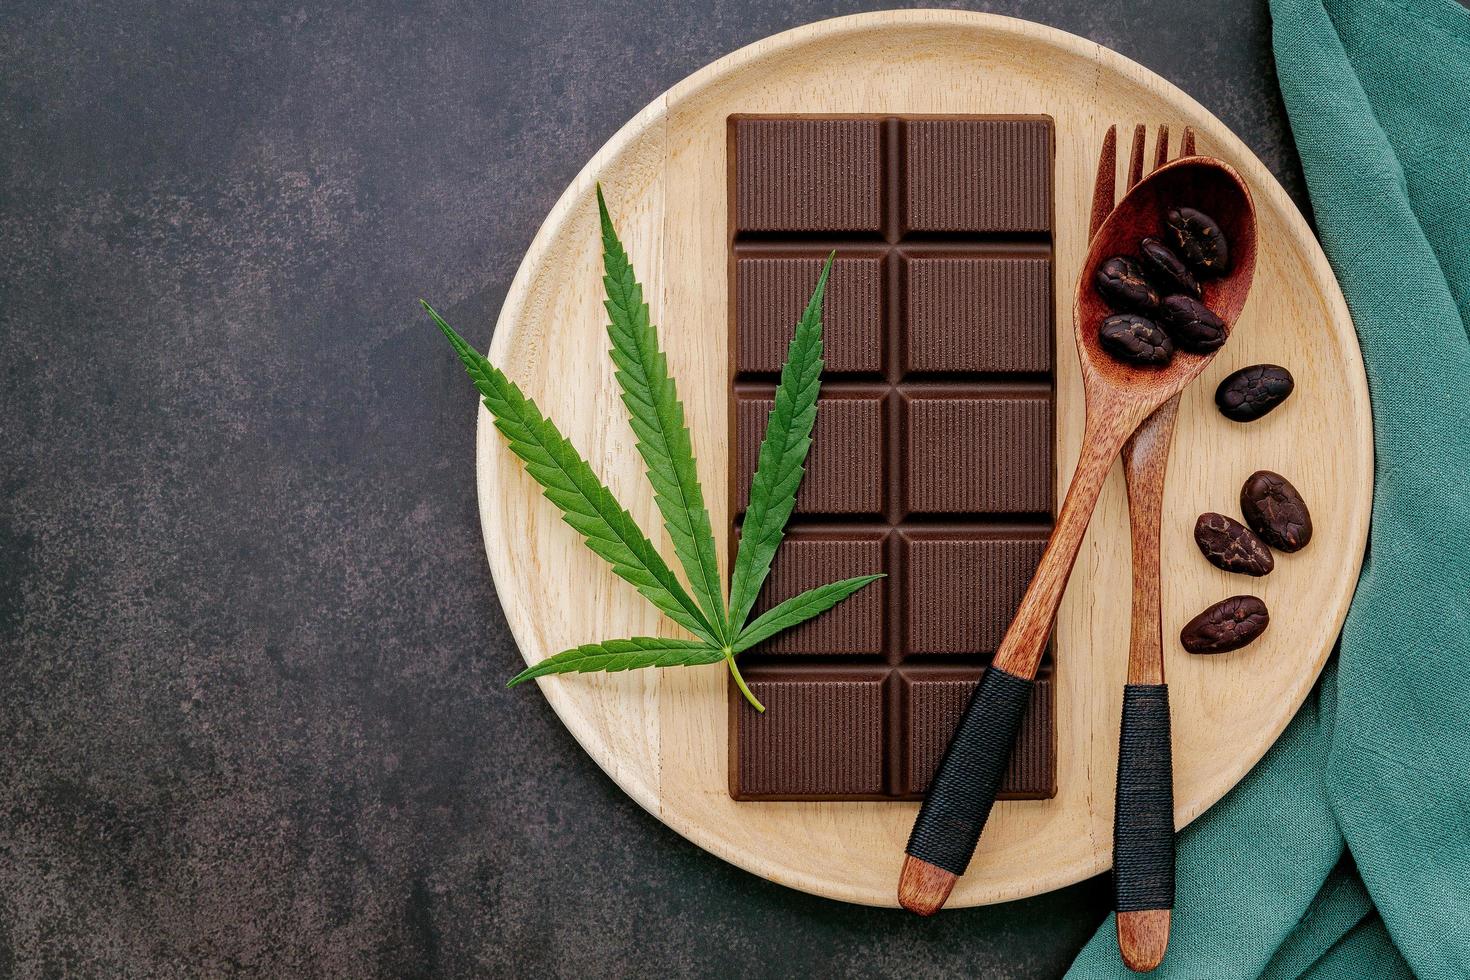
(614, 655)
(782, 461)
(657, 417)
(567, 481)
(798, 609)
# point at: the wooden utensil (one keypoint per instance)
(1118, 397)
(1143, 823)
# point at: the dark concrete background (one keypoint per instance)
(251, 662)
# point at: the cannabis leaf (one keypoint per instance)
(782, 461)
(798, 609)
(613, 655)
(567, 481)
(657, 417)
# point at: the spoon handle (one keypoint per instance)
(964, 786)
(1108, 426)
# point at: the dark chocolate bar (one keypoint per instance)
(932, 457)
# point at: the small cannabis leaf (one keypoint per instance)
(657, 417)
(614, 655)
(798, 609)
(782, 460)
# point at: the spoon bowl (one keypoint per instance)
(1203, 183)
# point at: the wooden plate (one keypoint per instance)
(661, 734)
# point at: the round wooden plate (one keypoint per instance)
(661, 734)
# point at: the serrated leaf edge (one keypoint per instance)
(615, 655)
(798, 609)
(657, 418)
(782, 460)
(536, 440)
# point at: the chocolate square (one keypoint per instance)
(845, 468)
(771, 292)
(814, 556)
(977, 452)
(820, 737)
(961, 588)
(809, 174)
(935, 699)
(977, 312)
(977, 176)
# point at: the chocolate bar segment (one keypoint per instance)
(977, 176)
(813, 556)
(962, 586)
(932, 456)
(977, 451)
(846, 468)
(809, 175)
(821, 736)
(976, 312)
(771, 291)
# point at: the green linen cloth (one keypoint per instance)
(1346, 852)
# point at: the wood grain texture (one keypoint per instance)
(661, 735)
(1143, 938)
(923, 888)
(1145, 464)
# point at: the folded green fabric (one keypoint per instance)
(1346, 852)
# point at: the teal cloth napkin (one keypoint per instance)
(1346, 852)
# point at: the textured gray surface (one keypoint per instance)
(251, 704)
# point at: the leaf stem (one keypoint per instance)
(740, 681)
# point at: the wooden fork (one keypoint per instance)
(1143, 822)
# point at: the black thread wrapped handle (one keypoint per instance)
(969, 775)
(1143, 818)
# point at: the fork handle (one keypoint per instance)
(1143, 816)
(1143, 828)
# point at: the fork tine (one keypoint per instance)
(1135, 159)
(1105, 186)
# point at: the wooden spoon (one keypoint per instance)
(1119, 397)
